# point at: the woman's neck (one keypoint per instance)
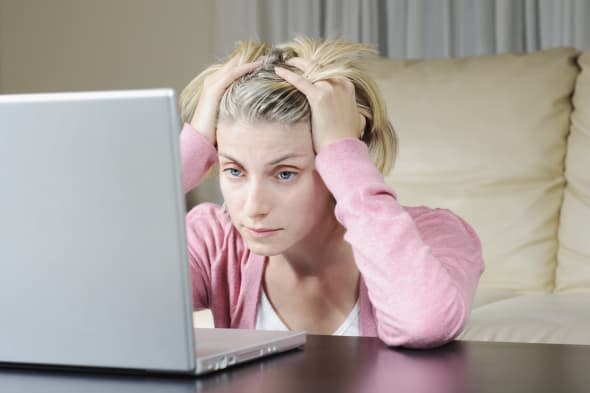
(314, 285)
(319, 253)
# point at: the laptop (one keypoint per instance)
(93, 257)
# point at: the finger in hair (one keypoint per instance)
(232, 61)
(302, 84)
(304, 65)
(242, 69)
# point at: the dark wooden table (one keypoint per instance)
(349, 364)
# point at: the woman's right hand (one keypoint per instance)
(205, 117)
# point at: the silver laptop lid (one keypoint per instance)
(93, 267)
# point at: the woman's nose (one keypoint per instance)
(257, 202)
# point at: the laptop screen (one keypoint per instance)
(93, 267)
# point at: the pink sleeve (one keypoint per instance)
(205, 237)
(421, 270)
(198, 155)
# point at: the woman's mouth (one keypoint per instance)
(262, 232)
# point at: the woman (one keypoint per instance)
(310, 237)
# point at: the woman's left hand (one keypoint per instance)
(334, 113)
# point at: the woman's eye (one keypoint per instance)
(287, 175)
(233, 172)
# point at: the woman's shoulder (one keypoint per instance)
(442, 224)
(210, 224)
(208, 212)
(426, 211)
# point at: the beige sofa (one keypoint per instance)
(504, 141)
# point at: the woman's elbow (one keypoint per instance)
(427, 331)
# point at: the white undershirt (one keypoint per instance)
(267, 319)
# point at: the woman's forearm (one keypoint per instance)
(421, 266)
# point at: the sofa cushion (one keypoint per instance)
(491, 295)
(573, 271)
(486, 138)
(542, 318)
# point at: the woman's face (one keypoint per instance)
(272, 192)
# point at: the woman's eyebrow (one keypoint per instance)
(229, 158)
(273, 162)
(285, 157)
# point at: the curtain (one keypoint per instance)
(411, 28)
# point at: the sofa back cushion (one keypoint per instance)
(486, 138)
(573, 269)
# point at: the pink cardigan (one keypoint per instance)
(419, 266)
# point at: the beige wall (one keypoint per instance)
(69, 45)
(73, 45)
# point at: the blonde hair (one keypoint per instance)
(264, 96)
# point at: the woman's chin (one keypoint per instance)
(262, 249)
